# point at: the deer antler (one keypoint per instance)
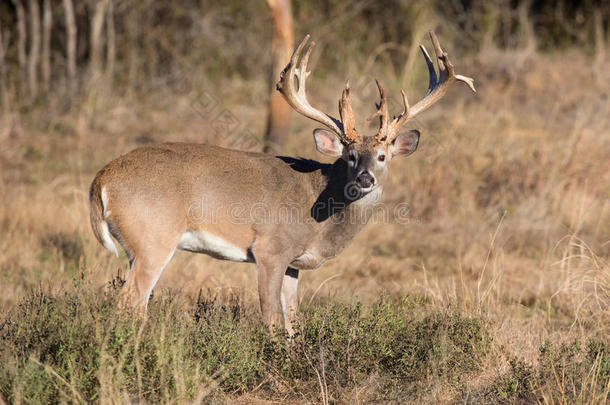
(437, 87)
(295, 95)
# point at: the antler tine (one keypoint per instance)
(382, 111)
(347, 114)
(297, 97)
(469, 81)
(445, 68)
(432, 81)
(399, 120)
(437, 86)
(405, 103)
(297, 52)
(301, 72)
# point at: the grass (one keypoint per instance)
(566, 373)
(493, 288)
(75, 347)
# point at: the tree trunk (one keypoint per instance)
(47, 23)
(3, 89)
(278, 122)
(71, 44)
(34, 47)
(132, 31)
(600, 48)
(111, 48)
(97, 23)
(21, 44)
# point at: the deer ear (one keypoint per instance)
(405, 143)
(327, 143)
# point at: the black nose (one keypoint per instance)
(365, 179)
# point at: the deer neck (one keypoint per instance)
(337, 209)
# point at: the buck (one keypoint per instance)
(284, 214)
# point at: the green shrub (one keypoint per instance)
(77, 347)
(566, 373)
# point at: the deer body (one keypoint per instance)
(284, 214)
(299, 203)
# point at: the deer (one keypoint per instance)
(284, 214)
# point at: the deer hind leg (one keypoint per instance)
(145, 270)
(289, 298)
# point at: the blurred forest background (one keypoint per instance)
(505, 255)
(57, 55)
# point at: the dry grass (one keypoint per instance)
(509, 220)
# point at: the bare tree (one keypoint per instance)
(527, 26)
(3, 89)
(278, 123)
(600, 47)
(132, 34)
(71, 44)
(34, 56)
(21, 43)
(47, 23)
(111, 48)
(97, 23)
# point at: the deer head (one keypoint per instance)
(367, 157)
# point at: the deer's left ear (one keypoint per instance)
(405, 143)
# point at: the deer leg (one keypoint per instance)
(144, 274)
(271, 266)
(289, 298)
(270, 278)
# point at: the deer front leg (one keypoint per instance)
(290, 301)
(271, 264)
(270, 278)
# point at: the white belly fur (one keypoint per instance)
(204, 242)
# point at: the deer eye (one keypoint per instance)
(381, 158)
(352, 157)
